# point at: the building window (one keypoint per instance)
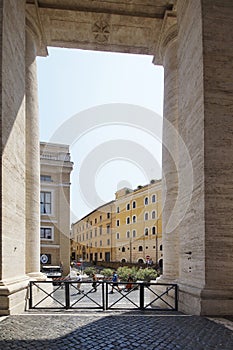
(134, 233)
(108, 228)
(146, 201)
(134, 204)
(100, 243)
(117, 235)
(154, 230)
(90, 234)
(100, 255)
(45, 178)
(101, 230)
(118, 210)
(95, 232)
(128, 206)
(46, 233)
(153, 198)
(118, 223)
(127, 234)
(45, 202)
(95, 220)
(161, 247)
(134, 218)
(108, 242)
(146, 216)
(153, 214)
(128, 220)
(140, 248)
(100, 218)
(108, 215)
(146, 231)
(123, 249)
(95, 244)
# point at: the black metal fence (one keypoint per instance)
(104, 295)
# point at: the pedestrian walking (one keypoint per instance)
(94, 282)
(115, 280)
(79, 280)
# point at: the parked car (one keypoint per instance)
(52, 271)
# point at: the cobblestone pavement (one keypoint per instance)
(114, 331)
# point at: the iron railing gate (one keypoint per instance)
(67, 295)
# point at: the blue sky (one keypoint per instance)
(102, 104)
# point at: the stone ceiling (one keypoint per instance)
(132, 26)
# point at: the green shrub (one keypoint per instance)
(89, 270)
(107, 272)
(146, 274)
(125, 271)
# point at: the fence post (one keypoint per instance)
(141, 296)
(30, 295)
(67, 294)
(176, 297)
(103, 296)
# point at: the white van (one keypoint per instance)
(52, 271)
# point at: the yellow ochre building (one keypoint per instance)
(127, 229)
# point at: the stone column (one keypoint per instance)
(32, 161)
(166, 55)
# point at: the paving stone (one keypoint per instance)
(113, 331)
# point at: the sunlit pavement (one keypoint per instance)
(114, 330)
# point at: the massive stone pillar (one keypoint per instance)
(32, 160)
(13, 281)
(205, 59)
(166, 54)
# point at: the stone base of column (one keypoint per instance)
(13, 295)
(37, 276)
(215, 301)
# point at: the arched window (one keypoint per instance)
(146, 201)
(161, 247)
(128, 206)
(154, 230)
(140, 248)
(146, 216)
(128, 220)
(146, 231)
(134, 218)
(127, 234)
(123, 249)
(153, 198)
(134, 204)
(153, 214)
(134, 233)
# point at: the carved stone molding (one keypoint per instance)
(101, 31)
(168, 34)
(35, 28)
